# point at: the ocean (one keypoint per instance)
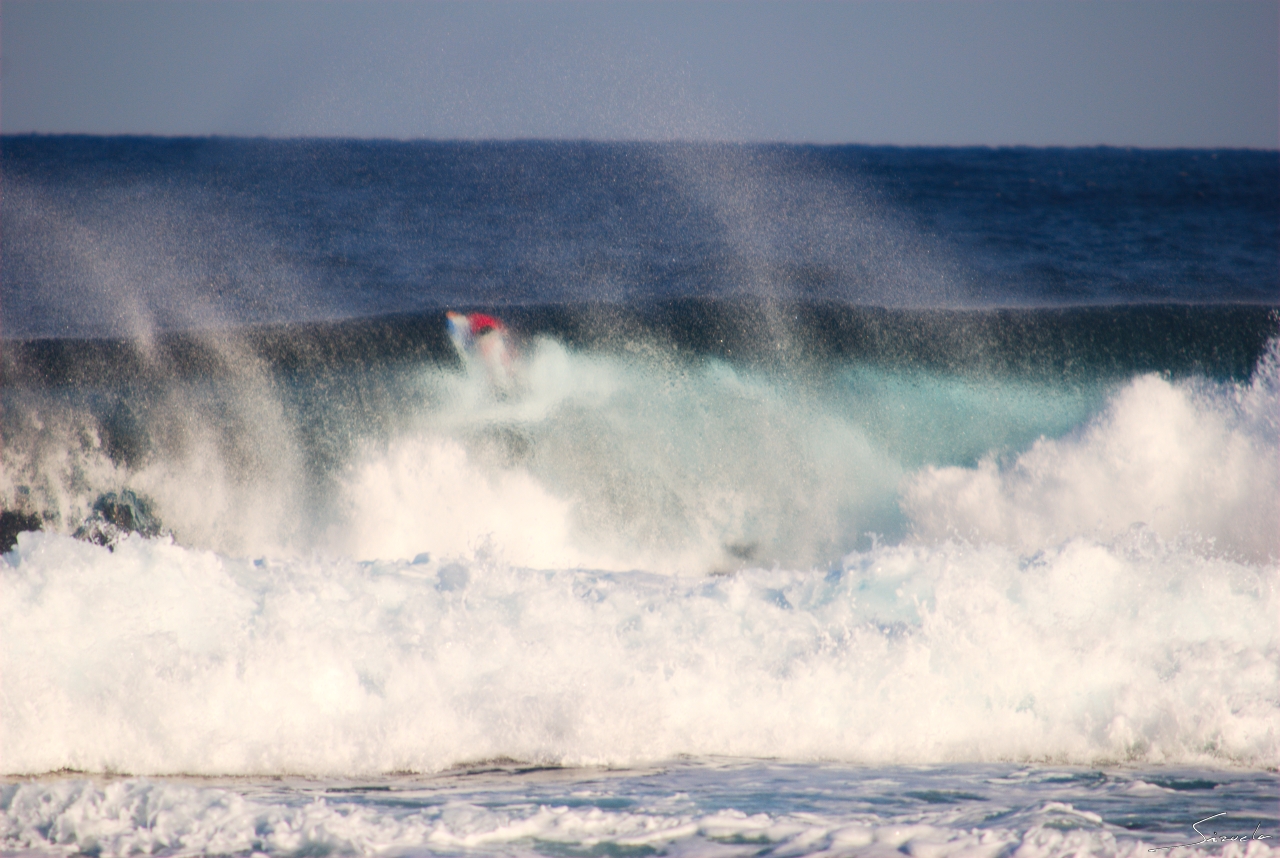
(835, 500)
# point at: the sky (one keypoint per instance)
(1204, 73)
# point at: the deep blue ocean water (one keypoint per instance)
(230, 231)
(835, 500)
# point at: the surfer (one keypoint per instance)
(479, 336)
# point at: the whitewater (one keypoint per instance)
(714, 574)
(1109, 594)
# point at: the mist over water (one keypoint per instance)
(113, 236)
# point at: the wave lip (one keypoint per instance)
(1082, 342)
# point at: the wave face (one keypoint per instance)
(645, 455)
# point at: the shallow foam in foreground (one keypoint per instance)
(683, 808)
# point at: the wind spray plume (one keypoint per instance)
(804, 227)
(155, 390)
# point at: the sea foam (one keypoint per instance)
(1190, 460)
(157, 658)
(138, 816)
